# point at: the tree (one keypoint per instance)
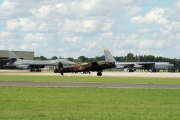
(54, 58)
(129, 57)
(78, 61)
(137, 58)
(92, 60)
(83, 58)
(37, 58)
(102, 58)
(43, 58)
(70, 59)
(119, 59)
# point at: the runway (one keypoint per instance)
(106, 74)
(99, 85)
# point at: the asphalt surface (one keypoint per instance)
(99, 85)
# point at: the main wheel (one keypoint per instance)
(32, 70)
(55, 70)
(99, 73)
(60, 67)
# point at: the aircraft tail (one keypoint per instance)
(108, 56)
(12, 58)
(12, 55)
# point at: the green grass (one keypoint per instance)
(91, 79)
(58, 103)
(89, 103)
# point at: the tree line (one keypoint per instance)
(130, 57)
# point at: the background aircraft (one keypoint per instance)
(132, 66)
(85, 67)
(34, 65)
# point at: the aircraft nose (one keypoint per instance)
(171, 65)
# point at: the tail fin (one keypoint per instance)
(12, 55)
(108, 56)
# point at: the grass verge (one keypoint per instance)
(89, 103)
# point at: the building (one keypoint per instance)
(4, 57)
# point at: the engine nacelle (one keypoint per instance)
(23, 66)
(126, 70)
(138, 66)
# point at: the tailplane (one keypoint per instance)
(108, 56)
(12, 55)
(13, 58)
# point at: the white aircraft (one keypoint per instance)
(34, 65)
(132, 66)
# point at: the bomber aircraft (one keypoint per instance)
(85, 67)
(34, 65)
(132, 66)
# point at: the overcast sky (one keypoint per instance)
(72, 28)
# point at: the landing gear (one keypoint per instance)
(153, 70)
(32, 70)
(86, 72)
(56, 70)
(171, 70)
(35, 70)
(99, 73)
(60, 67)
(38, 70)
(131, 70)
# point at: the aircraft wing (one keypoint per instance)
(47, 62)
(99, 66)
(134, 64)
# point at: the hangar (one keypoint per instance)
(4, 57)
